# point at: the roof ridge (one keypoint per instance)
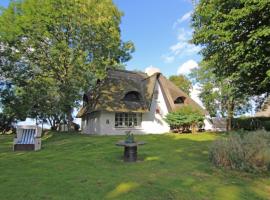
(155, 74)
(127, 71)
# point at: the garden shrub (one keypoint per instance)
(247, 152)
(184, 118)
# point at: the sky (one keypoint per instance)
(160, 30)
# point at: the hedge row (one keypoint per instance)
(251, 123)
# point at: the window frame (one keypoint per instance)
(128, 96)
(127, 120)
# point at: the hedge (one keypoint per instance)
(251, 123)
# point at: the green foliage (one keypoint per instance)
(5, 123)
(235, 37)
(184, 116)
(218, 94)
(251, 123)
(251, 152)
(182, 82)
(53, 50)
(210, 90)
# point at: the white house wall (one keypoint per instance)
(208, 125)
(152, 122)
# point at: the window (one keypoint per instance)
(179, 100)
(128, 120)
(132, 96)
(85, 99)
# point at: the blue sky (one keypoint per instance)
(160, 30)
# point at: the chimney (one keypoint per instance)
(151, 70)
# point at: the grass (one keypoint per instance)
(72, 166)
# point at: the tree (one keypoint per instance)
(218, 95)
(184, 117)
(235, 38)
(53, 50)
(182, 82)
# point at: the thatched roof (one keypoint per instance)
(110, 93)
(265, 109)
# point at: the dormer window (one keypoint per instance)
(179, 100)
(132, 96)
(85, 99)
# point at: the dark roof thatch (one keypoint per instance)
(109, 94)
(265, 109)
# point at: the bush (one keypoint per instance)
(248, 152)
(185, 117)
(6, 122)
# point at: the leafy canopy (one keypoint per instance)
(184, 116)
(53, 50)
(235, 36)
(219, 96)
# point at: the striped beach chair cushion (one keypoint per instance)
(28, 136)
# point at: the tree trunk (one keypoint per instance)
(69, 118)
(193, 127)
(230, 110)
(42, 126)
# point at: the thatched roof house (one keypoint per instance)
(128, 100)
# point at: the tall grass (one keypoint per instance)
(248, 152)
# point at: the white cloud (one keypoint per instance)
(185, 17)
(176, 48)
(192, 49)
(151, 70)
(168, 58)
(186, 67)
(182, 19)
(183, 35)
(182, 47)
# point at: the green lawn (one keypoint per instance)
(75, 167)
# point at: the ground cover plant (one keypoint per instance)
(170, 166)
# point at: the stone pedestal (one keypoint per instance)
(130, 150)
(130, 154)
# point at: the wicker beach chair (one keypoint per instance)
(27, 138)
